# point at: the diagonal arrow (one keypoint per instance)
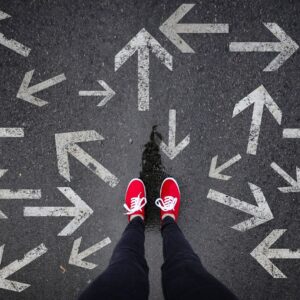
(16, 265)
(214, 171)
(261, 213)
(170, 28)
(66, 143)
(142, 43)
(172, 150)
(108, 93)
(259, 98)
(25, 92)
(295, 184)
(286, 47)
(12, 44)
(77, 259)
(262, 253)
(80, 211)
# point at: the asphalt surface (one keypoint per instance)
(80, 39)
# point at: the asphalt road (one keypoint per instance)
(80, 40)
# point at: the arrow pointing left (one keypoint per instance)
(16, 265)
(77, 259)
(80, 211)
(66, 143)
(260, 98)
(26, 93)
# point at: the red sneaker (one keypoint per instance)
(135, 198)
(169, 201)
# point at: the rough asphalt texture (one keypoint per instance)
(80, 39)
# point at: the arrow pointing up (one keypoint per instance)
(25, 92)
(286, 47)
(295, 185)
(16, 265)
(170, 28)
(261, 213)
(142, 43)
(80, 211)
(214, 172)
(108, 93)
(77, 259)
(262, 253)
(259, 98)
(66, 143)
(172, 150)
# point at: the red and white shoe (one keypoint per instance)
(135, 198)
(169, 201)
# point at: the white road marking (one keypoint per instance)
(80, 211)
(291, 133)
(108, 93)
(77, 259)
(295, 184)
(11, 132)
(170, 28)
(66, 144)
(262, 253)
(286, 47)
(172, 150)
(16, 265)
(26, 93)
(142, 43)
(261, 213)
(215, 172)
(259, 98)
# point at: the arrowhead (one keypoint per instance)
(295, 185)
(287, 47)
(3, 15)
(109, 93)
(171, 150)
(76, 258)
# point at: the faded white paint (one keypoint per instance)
(77, 258)
(66, 144)
(291, 133)
(11, 132)
(215, 172)
(172, 150)
(142, 43)
(260, 98)
(16, 265)
(26, 93)
(261, 213)
(170, 28)
(262, 253)
(286, 47)
(80, 211)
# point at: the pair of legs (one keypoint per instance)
(183, 276)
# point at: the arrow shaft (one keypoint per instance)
(46, 84)
(172, 128)
(230, 162)
(13, 132)
(283, 174)
(35, 211)
(92, 93)
(20, 194)
(14, 45)
(291, 133)
(283, 254)
(202, 28)
(255, 47)
(94, 248)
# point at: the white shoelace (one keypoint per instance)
(168, 203)
(136, 204)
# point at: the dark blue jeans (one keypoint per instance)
(183, 276)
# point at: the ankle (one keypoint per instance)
(135, 216)
(168, 215)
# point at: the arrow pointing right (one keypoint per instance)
(262, 253)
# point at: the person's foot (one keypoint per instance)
(135, 199)
(169, 201)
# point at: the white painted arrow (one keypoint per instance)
(80, 211)
(259, 98)
(170, 28)
(172, 150)
(108, 93)
(286, 47)
(291, 133)
(16, 265)
(262, 253)
(11, 132)
(295, 185)
(66, 144)
(12, 44)
(77, 259)
(142, 43)
(261, 213)
(25, 92)
(214, 171)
